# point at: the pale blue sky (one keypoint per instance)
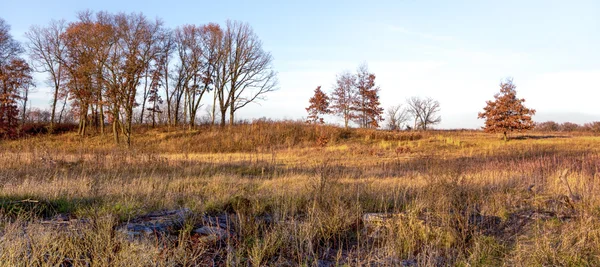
(453, 51)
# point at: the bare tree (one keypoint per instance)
(26, 87)
(212, 39)
(344, 96)
(424, 111)
(248, 68)
(166, 47)
(198, 49)
(189, 49)
(397, 116)
(137, 42)
(46, 48)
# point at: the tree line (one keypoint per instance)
(104, 65)
(355, 98)
(552, 126)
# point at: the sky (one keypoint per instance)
(456, 52)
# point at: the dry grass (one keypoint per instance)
(457, 198)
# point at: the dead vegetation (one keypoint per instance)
(365, 197)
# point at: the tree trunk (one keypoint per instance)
(169, 121)
(53, 112)
(185, 110)
(144, 97)
(101, 119)
(24, 110)
(127, 126)
(95, 122)
(192, 122)
(177, 107)
(223, 116)
(60, 116)
(231, 115)
(153, 118)
(214, 107)
(115, 129)
(167, 93)
(83, 123)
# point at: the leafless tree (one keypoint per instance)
(344, 96)
(425, 111)
(46, 48)
(189, 50)
(212, 39)
(26, 89)
(397, 116)
(137, 43)
(198, 49)
(247, 69)
(166, 47)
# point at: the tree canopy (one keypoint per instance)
(507, 113)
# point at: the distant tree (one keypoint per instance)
(425, 112)
(592, 126)
(38, 115)
(319, 105)
(548, 126)
(366, 103)
(569, 127)
(397, 115)
(506, 113)
(344, 96)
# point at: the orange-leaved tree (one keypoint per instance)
(319, 105)
(507, 113)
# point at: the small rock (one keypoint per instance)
(64, 222)
(211, 234)
(155, 224)
(378, 219)
(376, 223)
(409, 263)
(325, 263)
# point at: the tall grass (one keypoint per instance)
(453, 198)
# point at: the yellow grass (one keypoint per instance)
(458, 197)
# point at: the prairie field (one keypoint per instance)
(303, 195)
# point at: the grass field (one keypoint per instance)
(302, 195)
